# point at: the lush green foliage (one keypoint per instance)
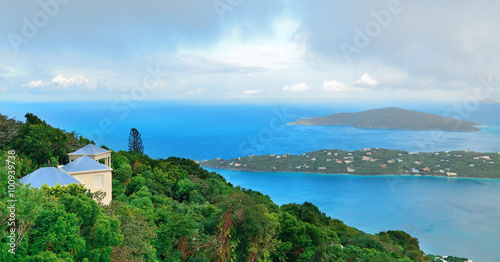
(174, 210)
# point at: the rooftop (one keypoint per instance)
(50, 176)
(84, 163)
(89, 149)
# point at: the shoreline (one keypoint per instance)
(344, 174)
(391, 128)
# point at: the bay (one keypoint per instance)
(449, 216)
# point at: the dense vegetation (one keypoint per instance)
(371, 162)
(392, 118)
(167, 210)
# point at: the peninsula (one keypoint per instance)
(371, 161)
(392, 118)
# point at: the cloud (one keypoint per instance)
(252, 91)
(196, 92)
(63, 81)
(74, 80)
(365, 81)
(297, 88)
(38, 83)
(334, 86)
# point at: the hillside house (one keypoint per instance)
(84, 168)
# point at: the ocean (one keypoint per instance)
(449, 216)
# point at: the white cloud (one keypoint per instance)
(38, 83)
(61, 80)
(358, 85)
(334, 86)
(252, 91)
(74, 80)
(366, 80)
(196, 92)
(297, 88)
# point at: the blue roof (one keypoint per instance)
(50, 176)
(84, 163)
(89, 149)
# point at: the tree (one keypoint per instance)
(135, 141)
(9, 130)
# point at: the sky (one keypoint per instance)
(250, 51)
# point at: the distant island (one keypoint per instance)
(392, 118)
(371, 161)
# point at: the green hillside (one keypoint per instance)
(392, 118)
(164, 210)
(373, 161)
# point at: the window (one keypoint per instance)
(98, 181)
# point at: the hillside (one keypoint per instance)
(392, 118)
(371, 161)
(166, 210)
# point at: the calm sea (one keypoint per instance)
(449, 216)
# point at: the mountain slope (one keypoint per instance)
(392, 118)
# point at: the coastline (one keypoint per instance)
(346, 174)
(390, 128)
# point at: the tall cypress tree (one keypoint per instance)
(135, 141)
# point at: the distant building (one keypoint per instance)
(451, 173)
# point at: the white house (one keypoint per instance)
(83, 168)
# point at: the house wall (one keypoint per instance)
(88, 179)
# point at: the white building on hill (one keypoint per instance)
(83, 168)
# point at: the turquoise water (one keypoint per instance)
(449, 216)
(229, 131)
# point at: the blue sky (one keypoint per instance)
(250, 51)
